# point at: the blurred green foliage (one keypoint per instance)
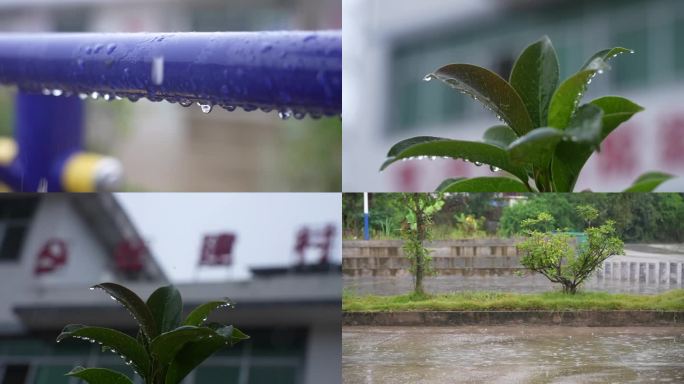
(6, 111)
(313, 155)
(639, 217)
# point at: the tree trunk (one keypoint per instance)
(569, 288)
(420, 257)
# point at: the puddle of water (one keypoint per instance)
(515, 354)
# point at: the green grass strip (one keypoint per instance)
(500, 301)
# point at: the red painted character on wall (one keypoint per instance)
(218, 249)
(311, 238)
(52, 256)
(129, 255)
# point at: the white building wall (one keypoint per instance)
(86, 263)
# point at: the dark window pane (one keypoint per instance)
(278, 343)
(217, 375)
(12, 242)
(272, 375)
(18, 208)
(15, 374)
(677, 50)
(632, 70)
(53, 374)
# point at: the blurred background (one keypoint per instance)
(277, 256)
(164, 147)
(390, 45)
(474, 238)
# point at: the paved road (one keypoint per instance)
(515, 354)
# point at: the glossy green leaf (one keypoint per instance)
(167, 345)
(535, 78)
(605, 55)
(201, 312)
(99, 376)
(482, 184)
(536, 148)
(113, 340)
(499, 135)
(649, 181)
(166, 306)
(565, 100)
(194, 353)
(570, 157)
(586, 125)
(476, 152)
(231, 334)
(190, 356)
(135, 306)
(616, 110)
(491, 90)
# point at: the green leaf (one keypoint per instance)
(482, 184)
(135, 306)
(118, 341)
(649, 181)
(499, 135)
(605, 55)
(535, 78)
(165, 346)
(586, 126)
(231, 334)
(616, 110)
(536, 147)
(566, 98)
(194, 353)
(570, 157)
(491, 90)
(166, 306)
(190, 356)
(99, 376)
(201, 312)
(476, 152)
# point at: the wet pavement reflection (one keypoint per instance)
(512, 354)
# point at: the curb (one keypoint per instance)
(491, 318)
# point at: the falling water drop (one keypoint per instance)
(284, 114)
(158, 70)
(206, 108)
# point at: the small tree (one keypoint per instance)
(553, 254)
(416, 230)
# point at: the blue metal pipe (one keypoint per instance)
(294, 72)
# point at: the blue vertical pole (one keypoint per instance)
(366, 231)
(48, 130)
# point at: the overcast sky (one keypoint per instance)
(266, 224)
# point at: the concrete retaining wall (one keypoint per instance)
(454, 257)
(492, 318)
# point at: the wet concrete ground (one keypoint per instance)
(517, 354)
